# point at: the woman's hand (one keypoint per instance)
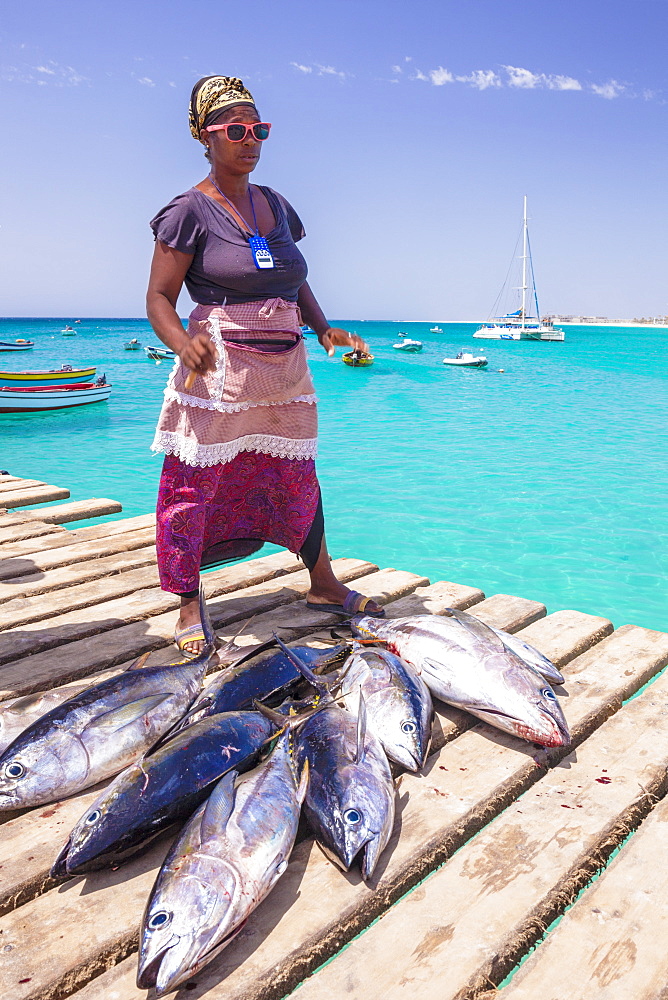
(198, 354)
(334, 336)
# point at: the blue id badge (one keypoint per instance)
(261, 253)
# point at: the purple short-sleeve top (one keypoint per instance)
(223, 269)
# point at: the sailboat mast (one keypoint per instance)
(524, 265)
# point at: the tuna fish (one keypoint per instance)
(350, 797)
(165, 786)
(101, 730)
(472, 669)
(398, 703)
(225, 861)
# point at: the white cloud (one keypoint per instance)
(440, 76)
(302, 68)
(523, 78)
(419, 75)
(146, 81)
(45, 69)
(330, 71)
(563, 83)
(397, 69)
(481, 79)
(608, 90)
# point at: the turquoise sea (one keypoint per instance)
(546, 480)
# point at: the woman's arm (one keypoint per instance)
(329, 336)
(168, 269)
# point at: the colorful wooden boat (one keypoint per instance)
(132, 345)
(17, 345)
(63, 376)
(159, 353)
(358, 359)
(36, 399)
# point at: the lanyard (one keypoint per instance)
(258, 244)
(234, 208)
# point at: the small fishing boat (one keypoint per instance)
(68, 331)
(358, 359)
(435, 329)
(132, 345)
(63, 376)
(466, 360)
(307, 329)
(408, 344)
(37, 399)
(159, 353)
(17, 345)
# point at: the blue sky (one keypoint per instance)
(405, 134)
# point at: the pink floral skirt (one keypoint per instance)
(203, 513)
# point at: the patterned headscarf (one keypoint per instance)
(213, 94)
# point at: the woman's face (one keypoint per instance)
(234, 157)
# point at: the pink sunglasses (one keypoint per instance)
(238, 131)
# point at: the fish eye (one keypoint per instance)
(352, 816)
(159, 919)
(14, 769)
(408, 727)
(549, 694)
(93, 817)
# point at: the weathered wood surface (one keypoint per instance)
(77, 535)
(43, 582)
(19, 484)
(150, 603)
(37, 494)
(28, 529)
(612, 944)
(8, 479)
(439, 810)
(489, 904)
(66, 555)
(78, 510)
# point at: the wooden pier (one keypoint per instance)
(493, 841)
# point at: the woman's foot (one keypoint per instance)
(339, 596)
(189, 619)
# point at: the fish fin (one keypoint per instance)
(25, 703)
(361, 728)
(303, 782)
(126, 714)
(305, 671)
(139, 662)
(219, 807)
(477, 628)
(269, 713)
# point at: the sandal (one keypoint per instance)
(194, 633)
(354, 604)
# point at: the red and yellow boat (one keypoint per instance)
(63, 376)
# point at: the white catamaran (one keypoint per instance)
(520, 324)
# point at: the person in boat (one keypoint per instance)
(238, 425)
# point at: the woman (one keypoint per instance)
(238, 425)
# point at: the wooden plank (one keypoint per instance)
(40, 494)
(80, 510)
(611, 944)
(40, 609)
(482, 911)
(8, 479)
(29, 529)
(40, 671)
(67, 576)
(313, 906)
(516, 612)
(19, 484)
(78, 535)
(136, 606)
(29, 564)
(36, 836)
